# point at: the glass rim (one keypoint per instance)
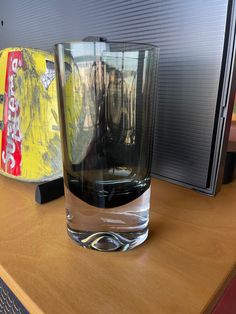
(152, 46)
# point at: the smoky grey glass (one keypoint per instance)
(107, 95)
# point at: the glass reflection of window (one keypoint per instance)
(121, 94)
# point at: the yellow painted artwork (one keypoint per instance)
(29, 137)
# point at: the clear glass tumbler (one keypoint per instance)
(107, 95)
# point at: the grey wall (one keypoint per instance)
(190, 35)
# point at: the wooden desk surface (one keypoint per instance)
(190, 251)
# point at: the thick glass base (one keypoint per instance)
(108, 241)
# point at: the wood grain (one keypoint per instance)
(190, 250)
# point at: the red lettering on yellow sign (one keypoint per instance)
(11, 136)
